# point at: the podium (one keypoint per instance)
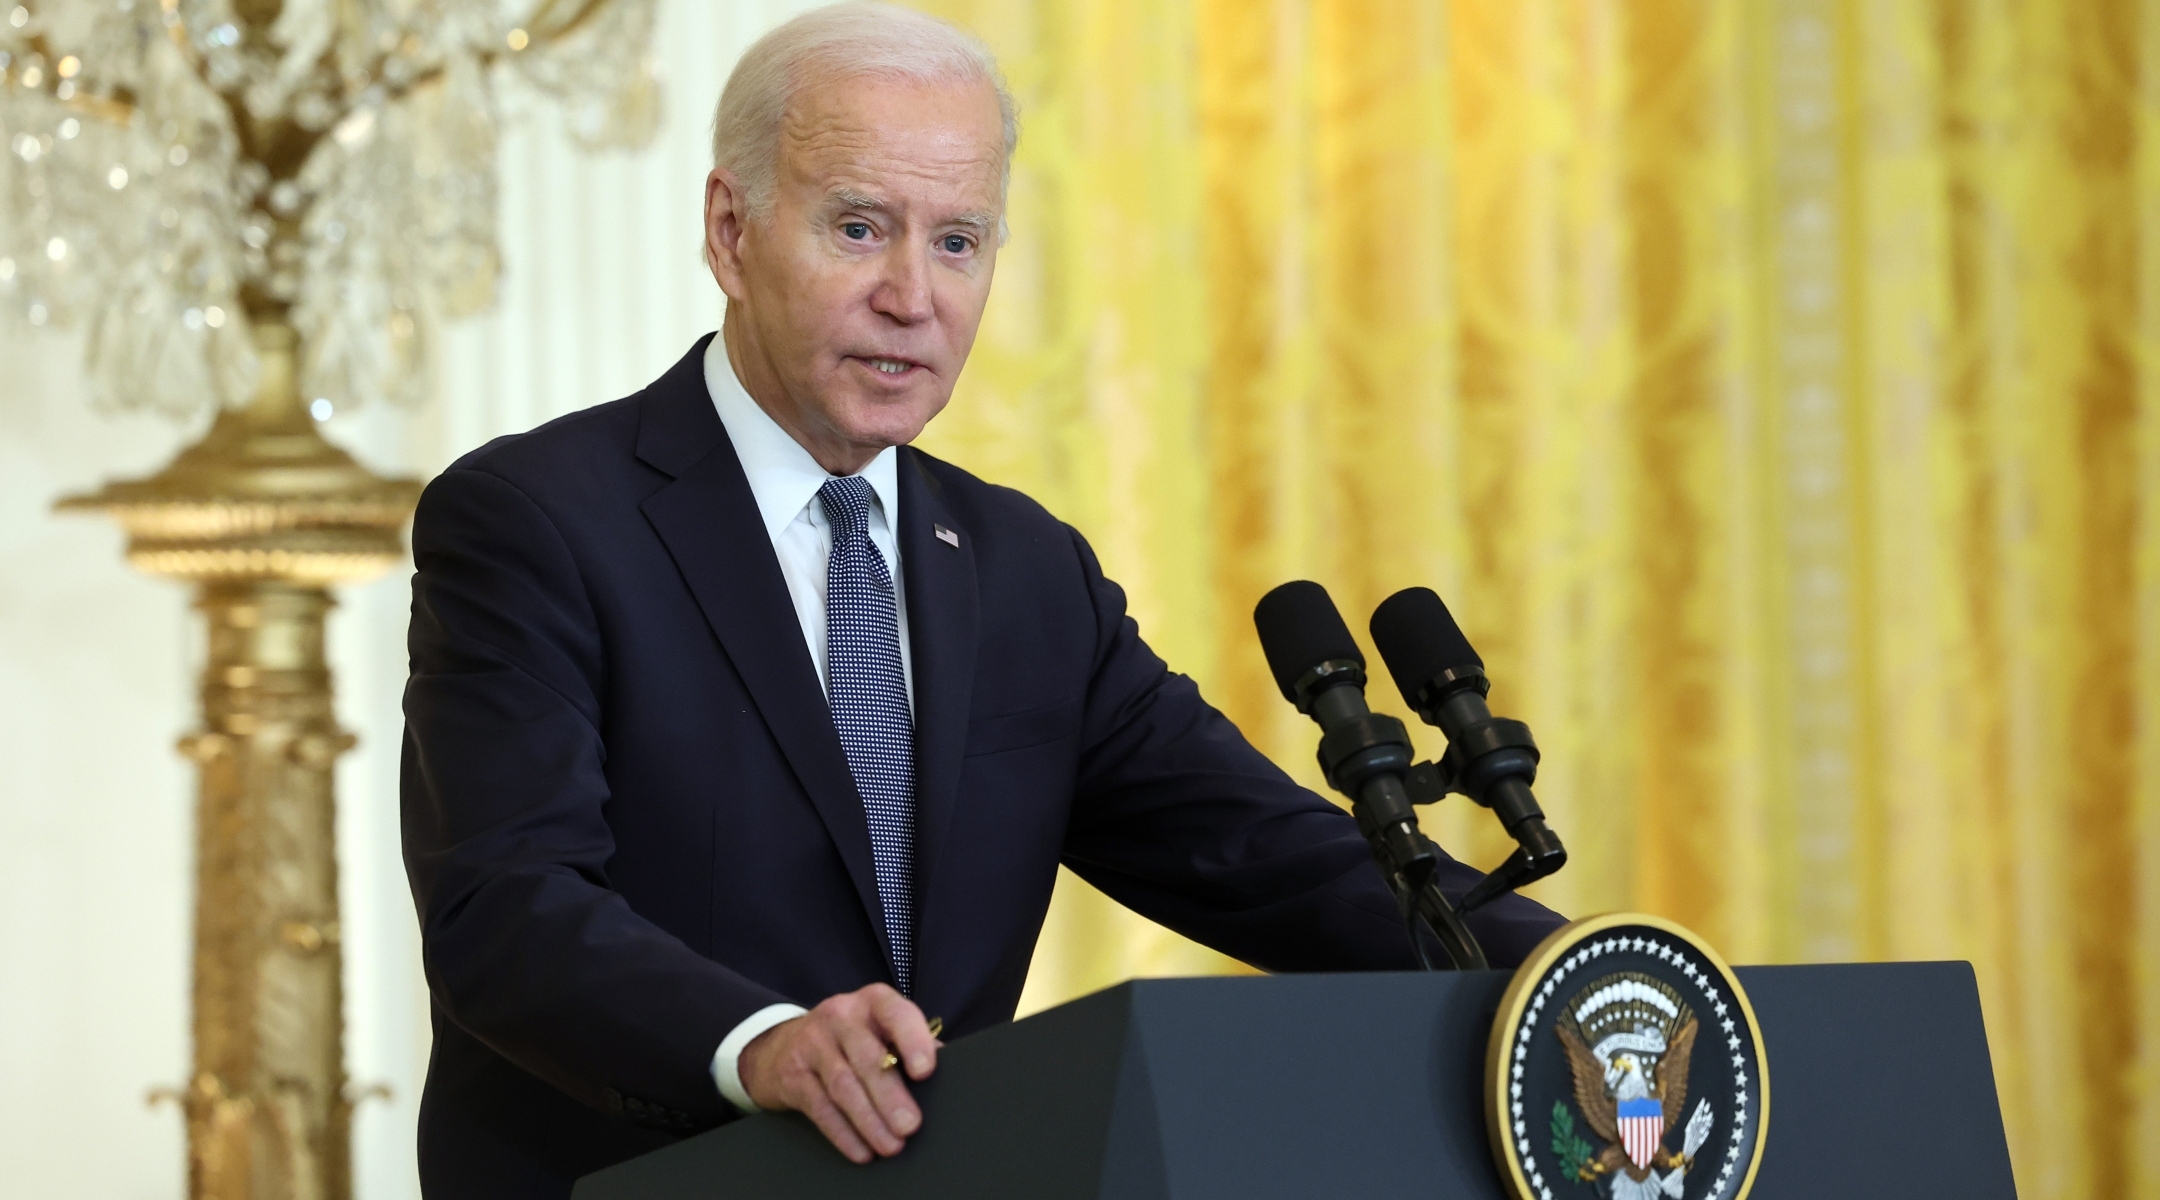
(1363, 1085)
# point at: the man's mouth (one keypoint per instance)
(888, 366)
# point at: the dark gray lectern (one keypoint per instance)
(1312, 1086)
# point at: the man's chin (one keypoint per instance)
(882, 429)
(889, 420)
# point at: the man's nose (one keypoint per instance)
(904, 292)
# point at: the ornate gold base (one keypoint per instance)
(263, 515)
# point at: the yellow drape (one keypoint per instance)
(1769, 387)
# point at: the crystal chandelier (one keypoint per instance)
(178, 170)
(247, 203)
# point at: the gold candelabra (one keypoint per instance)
(263, 516)
(248, 203)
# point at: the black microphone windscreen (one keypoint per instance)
(1299, 630)
(1419, 639)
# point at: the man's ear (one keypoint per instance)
(726, 215)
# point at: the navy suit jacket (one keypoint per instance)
(629, 823)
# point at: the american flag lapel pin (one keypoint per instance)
(945, 535)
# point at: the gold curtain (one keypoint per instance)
(1770, 389)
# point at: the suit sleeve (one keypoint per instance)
(1178, 817)
(506, 843)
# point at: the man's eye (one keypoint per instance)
(955, 244)
(856, 230)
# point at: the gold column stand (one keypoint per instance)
(263, 516)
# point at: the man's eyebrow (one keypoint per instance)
(850, 198)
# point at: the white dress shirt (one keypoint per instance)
(785, 481)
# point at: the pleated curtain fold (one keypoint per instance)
(1770, 389)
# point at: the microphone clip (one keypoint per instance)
(1361, 747)
(1485, 753)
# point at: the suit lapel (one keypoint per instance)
(709, 521)
(939, 576)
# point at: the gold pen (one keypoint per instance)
(891, 1060)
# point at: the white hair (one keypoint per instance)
(837, 42)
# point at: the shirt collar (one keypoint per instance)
(783, 477)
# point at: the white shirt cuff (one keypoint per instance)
(724, 1060)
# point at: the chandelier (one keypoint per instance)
(176, 171)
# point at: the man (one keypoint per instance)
(726, 702)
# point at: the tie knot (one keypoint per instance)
(847, 505)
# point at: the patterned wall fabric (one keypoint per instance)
(1766, 386)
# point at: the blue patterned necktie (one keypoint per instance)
(869, 701)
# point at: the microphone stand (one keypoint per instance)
(1365, 756)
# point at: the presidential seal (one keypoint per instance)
(1625, 1064)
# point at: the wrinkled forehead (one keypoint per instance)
(892, 138)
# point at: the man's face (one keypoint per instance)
(859, 294)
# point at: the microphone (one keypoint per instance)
(1363, 754)
(1490, 759)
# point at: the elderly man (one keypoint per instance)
(725, 702)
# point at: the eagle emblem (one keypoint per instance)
(1625, 1063)
(1629, 1039)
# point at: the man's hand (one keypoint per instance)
(829, 1065)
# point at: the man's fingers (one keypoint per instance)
(836, 1129)
(866, 1053)
(831, 1066)
(845, 1089)
(903, 1027)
